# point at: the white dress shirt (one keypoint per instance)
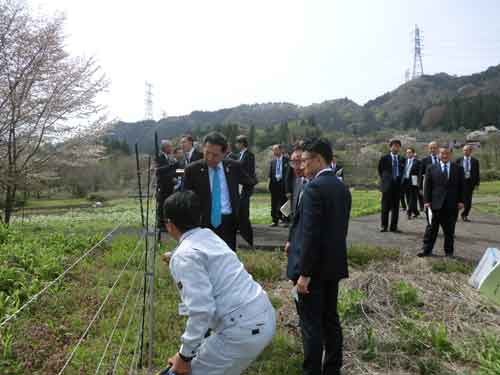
(242, 153)
(212, 283)
(279, 162)
(225, 202)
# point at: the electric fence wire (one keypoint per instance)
(119, 316)
(101, 307)
(64, 273)
(134, 314)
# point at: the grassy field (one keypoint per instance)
(364, 202)
(489, 189)
(401, 315)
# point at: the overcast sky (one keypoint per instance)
(208, 55)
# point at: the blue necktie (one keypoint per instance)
(445, 169)
(394, 168)
(278, 170)
(215, 216)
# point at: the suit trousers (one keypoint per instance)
(468, 191)
(321, 330)
(278, 199)
(390, 203)
(411, 193)
(227, 230)
(447, 219)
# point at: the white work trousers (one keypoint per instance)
(237, 340)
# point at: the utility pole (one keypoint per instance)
(148, 102)
(418, 67)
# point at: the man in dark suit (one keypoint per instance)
(337, 168)
(472, 178)
(390, 171)
(431, 159)
(317, 258)
(190, 152)
(444, 196)
(295, 180)
(215, 180)
(278, 170)
(409, 182)
(247, 160)
(166, 166)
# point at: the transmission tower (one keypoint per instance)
(148, 102)
(418, 67)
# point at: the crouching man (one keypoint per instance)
(217, 293)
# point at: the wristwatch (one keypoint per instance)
(185, 359)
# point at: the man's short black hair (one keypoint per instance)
(188, 137)
(411, 149)
(243, 140)
(216, 138)
(395, 142)
(320, 146)
(183, 209)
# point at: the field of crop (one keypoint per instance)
(401, 315)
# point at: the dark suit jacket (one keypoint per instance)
(474, 170)
(165, 173)
(424, 164)
(272, 172)
(385, 172)
(248, 165)
(444, 192)
(319, 230)
(196, 179)
(196, 155)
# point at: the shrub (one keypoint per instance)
(349, 304)
(264, 266)
(405, 294)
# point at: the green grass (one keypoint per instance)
(489, 188)
(364, 202)
(47, 203)
(264, 266)
(405, 295)
(452, 266)
(492, 208)
(362, 255)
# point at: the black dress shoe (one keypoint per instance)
(423, 254)
(274, 225)
(383, 230)
(396, 231)
(466, 219)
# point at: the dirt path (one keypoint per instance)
(471, 238)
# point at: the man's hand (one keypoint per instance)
(427, 205)
(287, 248)
(178, 365)
(460, 206)
(303, 284)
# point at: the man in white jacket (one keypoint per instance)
(217, 293)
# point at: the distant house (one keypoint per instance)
(482, 134)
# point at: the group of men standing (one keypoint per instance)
(216, 179)
(438, 185)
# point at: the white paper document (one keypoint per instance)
(286, 209)
(488, 262)
(414, 180)
(295, 294)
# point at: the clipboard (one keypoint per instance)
(414, 180)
